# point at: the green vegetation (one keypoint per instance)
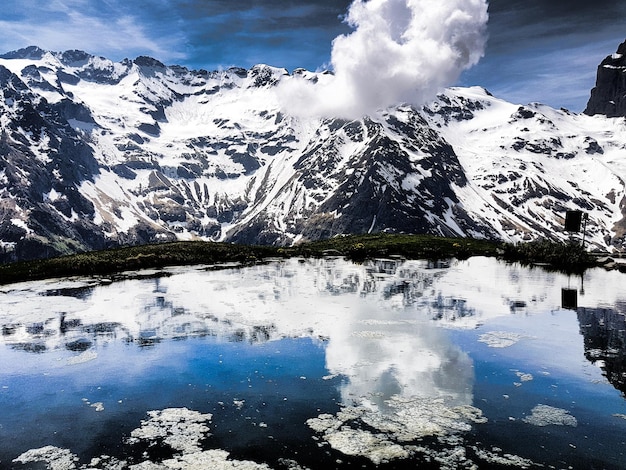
(568, 257)
(357, 248)
(360, 247)
(111, 262)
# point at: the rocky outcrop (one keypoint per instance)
(608, 97)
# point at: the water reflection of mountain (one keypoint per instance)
(297, 297)
(415, 285)
(79, 314)
(144, 323)
(604, 333)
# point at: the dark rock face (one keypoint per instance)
(65, 225)
(609, 95)
(605, 341)
(30, 52)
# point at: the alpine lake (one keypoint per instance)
(316, 364)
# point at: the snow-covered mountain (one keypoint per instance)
(95, 153)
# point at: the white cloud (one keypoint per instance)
(401, 51)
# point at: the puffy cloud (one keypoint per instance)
(401, 51)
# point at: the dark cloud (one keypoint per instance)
(264, 17)
(554, 10)
(548, 50)
(288, 34)
(523, 23)
(319, 12)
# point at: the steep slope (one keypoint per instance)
(529, 164)
(96, 153)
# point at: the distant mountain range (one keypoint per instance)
(95, 154)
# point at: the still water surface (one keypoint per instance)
(316, 364)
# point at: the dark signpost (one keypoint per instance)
(573, 222)
(569, 298)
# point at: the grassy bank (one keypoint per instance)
(359, 247)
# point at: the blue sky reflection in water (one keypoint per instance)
(316, 363)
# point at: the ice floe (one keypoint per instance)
(211, 459)
(98, 406)
(83, 357)
(54, 457)
(496, 457)
(179, 428)
(544, 415)
(524, 377)
(500, 339)
(383, 435)
(375, 447)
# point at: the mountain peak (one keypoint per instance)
(74, 58)
(145, 61)
(30, 52)
(608, 97)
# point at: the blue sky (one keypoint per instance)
(538, 50)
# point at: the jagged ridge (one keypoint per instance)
(95, 153)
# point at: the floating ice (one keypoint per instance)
(375, 447)
(83, 357)
(506, 459)
(99, 406)
(56, 458)
(180, 428)
(500, 339)
(211, 459)
(383, 436)
(544, 415)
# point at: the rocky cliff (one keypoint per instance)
(608, 97)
